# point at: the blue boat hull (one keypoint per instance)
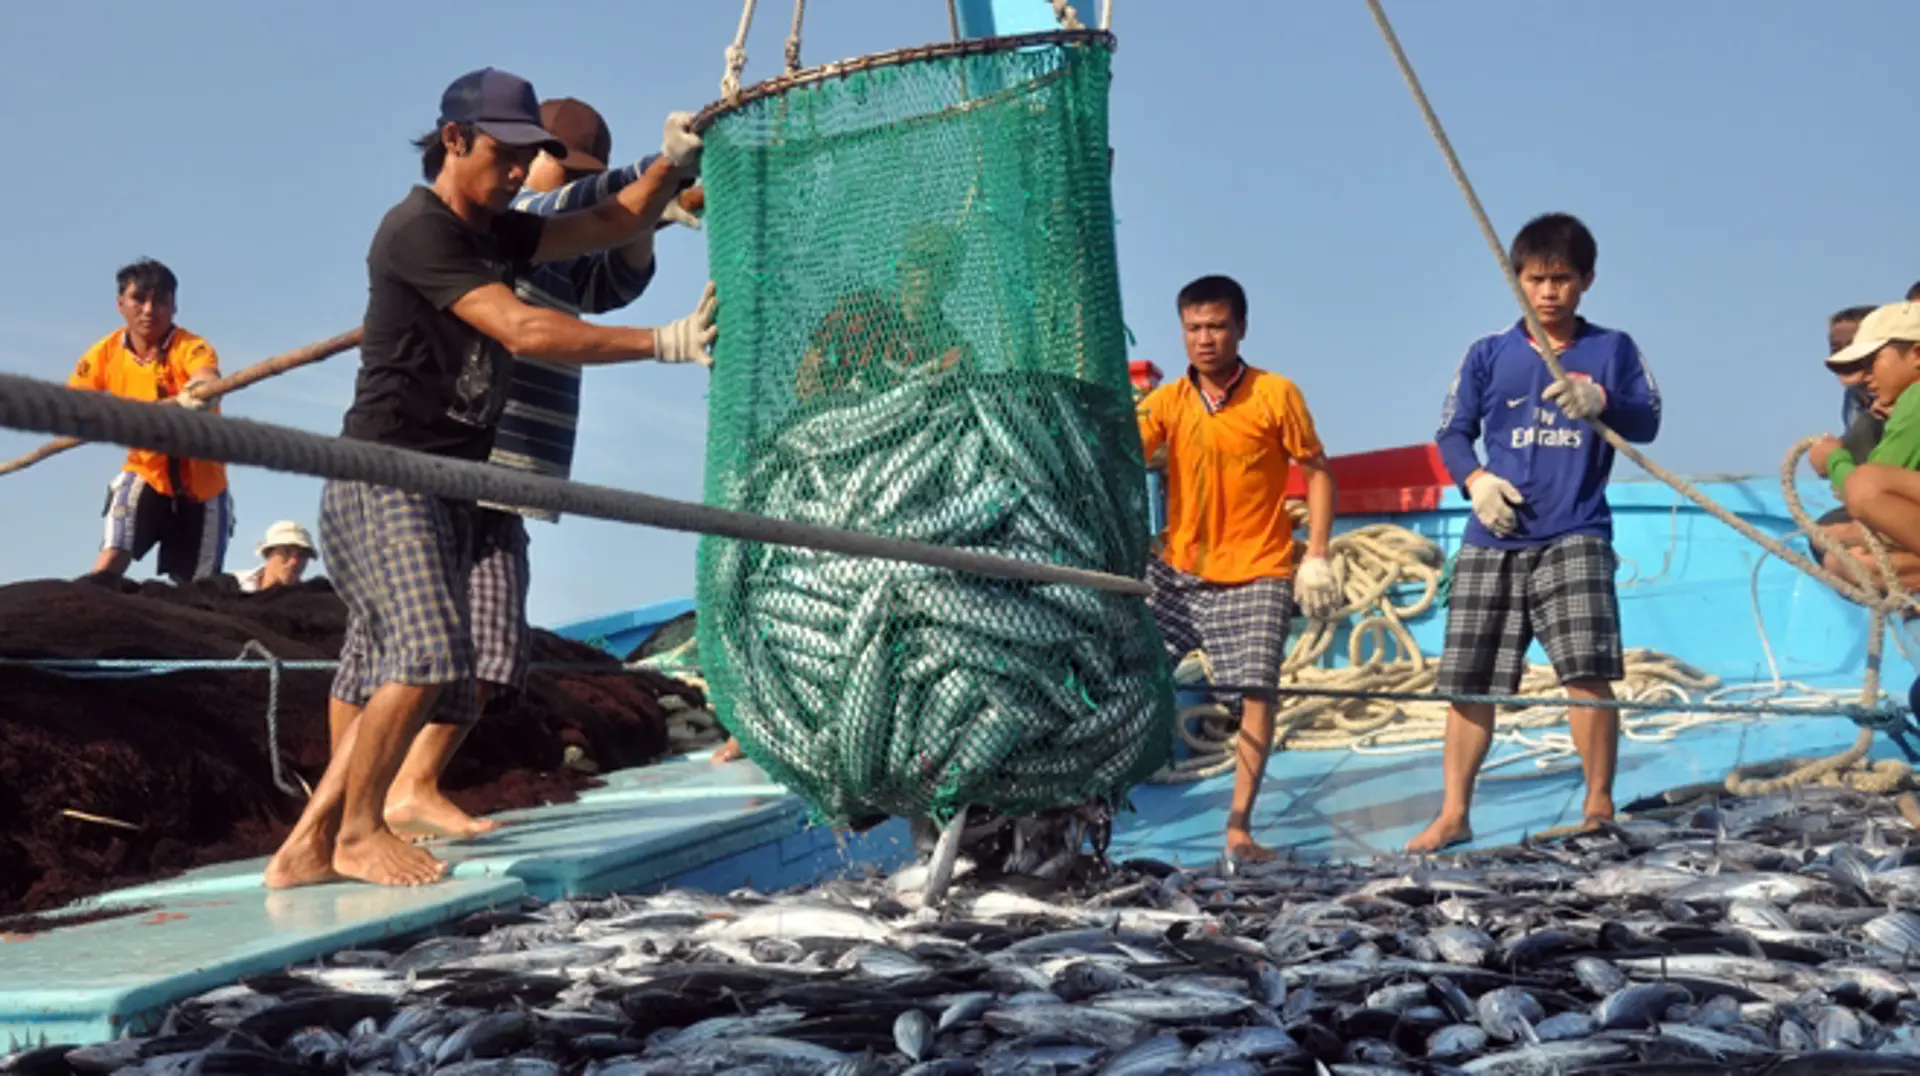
(1690, 586)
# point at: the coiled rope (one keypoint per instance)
(1371, 563)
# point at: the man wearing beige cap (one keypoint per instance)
(537, 433)
(284, 553)
(1883, 491)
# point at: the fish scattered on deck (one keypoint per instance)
(1744, 936)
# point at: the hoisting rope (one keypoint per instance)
(737, 54)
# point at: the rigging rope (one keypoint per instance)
(737, 54)
(793, 36)
(1889, 599)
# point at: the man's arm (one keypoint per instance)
(90, 372)
(636, 209)
(537, 333)
(1460, 417)
(1153, 432)
(1840, 464)
(1633, 402)
(603, 280)
(1320, 490)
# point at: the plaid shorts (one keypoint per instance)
(1561, 593)
(401, 563)
(1241, 627)
(502, 638)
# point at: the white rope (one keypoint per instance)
(737, 54)
(1370, 563)
(793, 36)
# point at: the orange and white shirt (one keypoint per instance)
(1227, 469)
(111, 365)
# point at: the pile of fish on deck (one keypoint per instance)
(1760, 936)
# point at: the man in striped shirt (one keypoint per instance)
(537, 434)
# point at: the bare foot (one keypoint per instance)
(1444, 833)
(1241, 846)
(1599, 809)
(305, 859)
(432, 814)
(729, 752)
(384, 859)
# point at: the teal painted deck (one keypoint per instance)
(687, 822)
(1685, 582)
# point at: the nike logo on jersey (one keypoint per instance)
(1516, 401)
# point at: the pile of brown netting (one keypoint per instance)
(105, 782)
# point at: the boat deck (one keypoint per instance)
(691, 823)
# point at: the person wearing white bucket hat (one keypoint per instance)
(285, 553)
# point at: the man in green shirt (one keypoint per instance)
(1883, 491)
(1838, 536)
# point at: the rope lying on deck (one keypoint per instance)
(1382, 700)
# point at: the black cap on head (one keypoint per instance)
(500, 104)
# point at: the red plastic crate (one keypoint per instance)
(1384, 481)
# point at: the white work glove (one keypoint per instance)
(1493, 501)
(681, 145)
(688, 339)
(190, 398)
(1314, 588)
(1578, 396)
(675, 213)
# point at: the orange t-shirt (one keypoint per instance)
(111, 366)
(1226, 476)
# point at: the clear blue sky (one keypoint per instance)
(1743, 166)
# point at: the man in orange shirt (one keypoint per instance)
(1224, 581)
(180, 504)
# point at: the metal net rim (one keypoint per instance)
(779, 84)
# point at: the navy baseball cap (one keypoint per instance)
(502, 105)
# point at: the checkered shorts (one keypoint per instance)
(401, 563)
(1562, 593)
(502, 638)
(1241, 627)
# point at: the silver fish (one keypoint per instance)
(1548, 1058)
(1162, 1053)
(1082, 1024)
(1459, 944)
(1598, 976)
(1245, 1044)
(913, 1033)
(1637, 1007)
(1896, 930)
(1509, 1014)
(1456, 1042)
(1716, 1044)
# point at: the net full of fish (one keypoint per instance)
(876, 688)
(1739, 938)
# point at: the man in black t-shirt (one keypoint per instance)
(441, 327)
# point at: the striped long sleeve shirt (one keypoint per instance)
(539, 426)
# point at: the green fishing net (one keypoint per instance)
(920, 337)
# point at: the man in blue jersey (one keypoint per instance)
(1537, 558)
(536, 433)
